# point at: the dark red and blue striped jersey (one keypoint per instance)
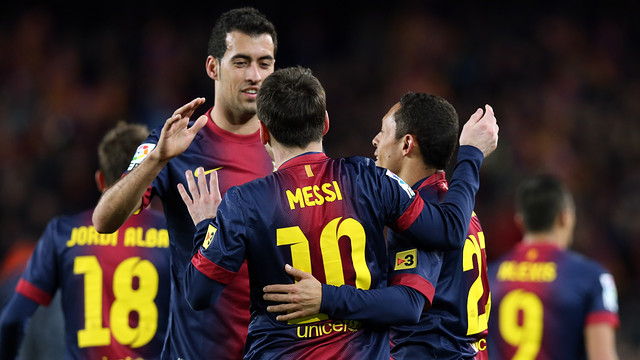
(455, 326)
(114, 287)
(543, 298)
(222, 329)
(324, 216)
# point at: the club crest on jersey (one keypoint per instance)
(407, 259)
(141, 153)
(403, 184)
(211, 231)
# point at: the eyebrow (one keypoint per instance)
(247, 57)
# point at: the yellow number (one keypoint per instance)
(330, 250)
(332, 261)
(93, 333)
(139, 300)
(127, 300)
(300, 256)
(527, 336)
(476, 322)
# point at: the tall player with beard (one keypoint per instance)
(242, 50)
(114, 287)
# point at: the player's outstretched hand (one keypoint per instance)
(176, 136)
(203, 202)
(481, 131)
(297, 300)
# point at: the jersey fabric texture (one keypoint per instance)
(114, 287)
(448, 329)
(222, 329)
(547, 295)
(324, 216)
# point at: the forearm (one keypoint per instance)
(600, 342)
(445, 226)
(13, 324)
(395, 305)
(125, 197)
(201, 291)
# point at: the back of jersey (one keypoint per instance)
(115, 287)
(543, 298)
(455, 326)
(322, 216)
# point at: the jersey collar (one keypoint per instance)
(438, 177)
(306, 158)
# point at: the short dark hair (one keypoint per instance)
(540, 199)
(247, 20)
(117, 148)
(292, 104)
(434, 123)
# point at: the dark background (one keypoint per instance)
(563, 79)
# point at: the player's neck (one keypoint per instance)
(241, 124)
(413, 171)
(544, 238)
(283, 153)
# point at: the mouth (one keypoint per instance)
(251, 92)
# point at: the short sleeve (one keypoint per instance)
(413, 267)
(39, 280)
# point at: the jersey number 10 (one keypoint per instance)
(332, 261)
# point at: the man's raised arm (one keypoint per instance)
(125, 197)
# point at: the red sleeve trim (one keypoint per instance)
(415, 282)
(146, 199)
(410, 215)
(211, 270)
(603, 317)
(33, 292)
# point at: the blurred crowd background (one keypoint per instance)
(563, 78)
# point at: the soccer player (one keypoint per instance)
(114, 287)
(550, 302)
(417, 138)
(242, 47)
(322, 215)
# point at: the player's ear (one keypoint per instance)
(213, 67)
(100, 181)
(517, 218)
(408, 144)
(326, 123)
(264, 134)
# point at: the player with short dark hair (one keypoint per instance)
(241, 54)
(550, 302)
(324, 216)
(417, 138)
(115, 287)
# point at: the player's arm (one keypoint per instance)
(125, 197)
(444, 226)
(13, 322)
(204, 280)
(600, 341)
(394, 305)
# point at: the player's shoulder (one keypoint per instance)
(583, 263)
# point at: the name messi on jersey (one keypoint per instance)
(314, 195)
(133, 237)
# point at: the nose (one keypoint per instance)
(253, 73)
(375, 141)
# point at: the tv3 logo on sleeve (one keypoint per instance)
(407, 259)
